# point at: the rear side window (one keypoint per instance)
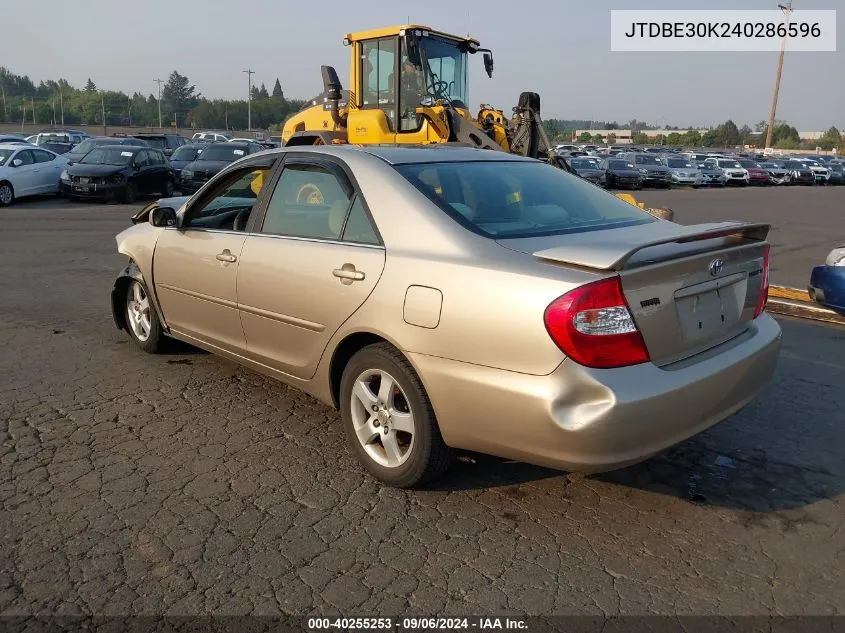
(502, 199)
(308, 201)
(42, 157)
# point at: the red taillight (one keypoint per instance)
(763, 298)
(594, 327)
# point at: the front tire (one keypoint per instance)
(142, 320)
(389, 420)
(130, 194)
(7, 194)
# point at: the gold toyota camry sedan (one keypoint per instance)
(450, 298)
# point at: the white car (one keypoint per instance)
(210, 137)
(28, 171)
(734, 172)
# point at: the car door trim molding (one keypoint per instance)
(199, 295)
(283, 318)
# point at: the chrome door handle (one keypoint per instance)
(226, 256)
(348, 272)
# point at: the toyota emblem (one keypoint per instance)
(716, 266)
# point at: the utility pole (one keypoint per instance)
(159, 82)
(103, 108)
(249, 73)
(32, 103)
(54, 112)
(787, 11)
(62, 103)
(129, 105)
(5, 107)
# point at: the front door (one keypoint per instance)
(195, 266)
(26, 177)
(314, 259)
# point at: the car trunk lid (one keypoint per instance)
(689, 288)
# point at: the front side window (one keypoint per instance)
(379, 63)
(25, 157)
(231, 202)
(308, 201)
(504, 199)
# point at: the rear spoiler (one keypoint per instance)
(601, 251)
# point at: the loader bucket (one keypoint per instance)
(662, 213)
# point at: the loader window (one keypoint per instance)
(378, 72)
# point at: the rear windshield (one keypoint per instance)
(154, 141)
(520, 199)
(677, 163)
(620, 164)
(186, 153)
(643, 159)
(222, 153)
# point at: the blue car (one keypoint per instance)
(827, 283)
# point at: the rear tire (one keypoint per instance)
(380, 390)
(7, 194)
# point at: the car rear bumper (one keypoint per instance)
(827, 287)
(595, 420)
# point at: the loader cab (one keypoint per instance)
(397, 70)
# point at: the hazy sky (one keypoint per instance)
(559, 48)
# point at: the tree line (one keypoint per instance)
(57, 102)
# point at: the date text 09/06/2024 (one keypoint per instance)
(479, 623)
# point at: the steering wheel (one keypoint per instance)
(241, 219)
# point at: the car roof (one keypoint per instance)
(395, 154)
(131, 148)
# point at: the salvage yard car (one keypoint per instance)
(734, 173)
(827, 282)
(213, 158)
(120, 172)
(620, 174)
(682, 171)
(778, 175)
(454, 298)
(28, 171)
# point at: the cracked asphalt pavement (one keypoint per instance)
(183, 484)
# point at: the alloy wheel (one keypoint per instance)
(138, 311)
(382, 418)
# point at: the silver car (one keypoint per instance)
(450, 298)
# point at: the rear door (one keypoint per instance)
(311, 260)
(50, 168)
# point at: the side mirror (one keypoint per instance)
(488, 64)
(163, 217)
(17, 162)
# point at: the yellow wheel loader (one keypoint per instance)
(408, 85)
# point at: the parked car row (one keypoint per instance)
(118, 168)
(637, 169)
